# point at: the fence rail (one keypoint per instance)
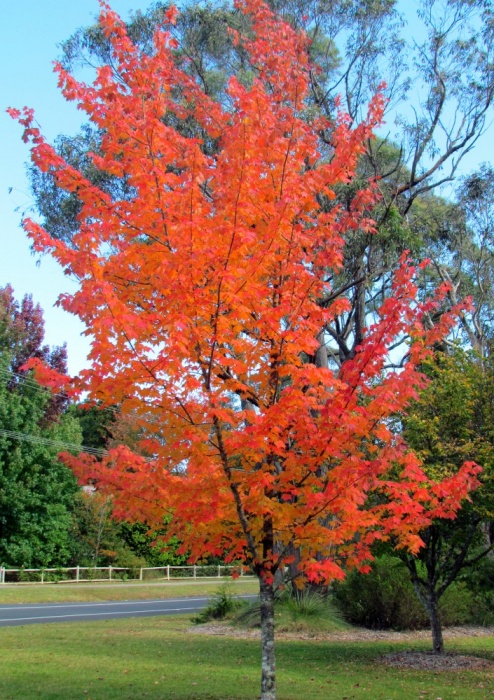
(79, 574)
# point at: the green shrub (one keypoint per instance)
(457, 605)
(56, 576)
(297, 611)
(479, 579)
(126, 559)
(29, 576)
(221, 606)
(483, 609)
(385, 599)
(381, 599)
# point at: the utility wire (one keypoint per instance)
(36, 385)
(48, 442)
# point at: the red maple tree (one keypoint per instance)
(22, 330)
(202, 294)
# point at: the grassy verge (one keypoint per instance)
(81, 593)
(153, 658)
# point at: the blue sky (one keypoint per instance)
(29, 34)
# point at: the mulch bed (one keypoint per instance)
(427, 661)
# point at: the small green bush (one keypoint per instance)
(126, 559)
(483, 609)
(381, 599)
(480, 580)
(305, 611)
(56, 576)
(221, 606)
(457, 605)
(385, 599)
(29, 576)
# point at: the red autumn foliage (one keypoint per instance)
(202, 293)
(22, 330)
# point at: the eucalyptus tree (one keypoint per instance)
(439, 77)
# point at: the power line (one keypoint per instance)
(34, 384)
(48, 442)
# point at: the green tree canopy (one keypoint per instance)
(36, 490)
(451, 423)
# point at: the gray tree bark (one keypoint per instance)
(268, 677)
(436, 629)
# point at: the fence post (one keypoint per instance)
(109, 573)
(222, 570)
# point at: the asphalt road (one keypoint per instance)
(65, 612)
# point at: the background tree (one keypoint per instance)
(452, 423)
(36, 490)
(202, 288)
(98, 536)
(155, 546)
(354, 47)
(21, 339)
(454, 417)
(97, 423)
(464, 256)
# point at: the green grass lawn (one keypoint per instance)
(81, 593)
(155, 658)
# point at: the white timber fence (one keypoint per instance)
(80, 574)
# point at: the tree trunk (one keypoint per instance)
(437, 633)
(268, 677)
(429, 599)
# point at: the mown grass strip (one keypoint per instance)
(82, 593)
(156, 658)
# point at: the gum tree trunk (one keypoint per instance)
(268, 674)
